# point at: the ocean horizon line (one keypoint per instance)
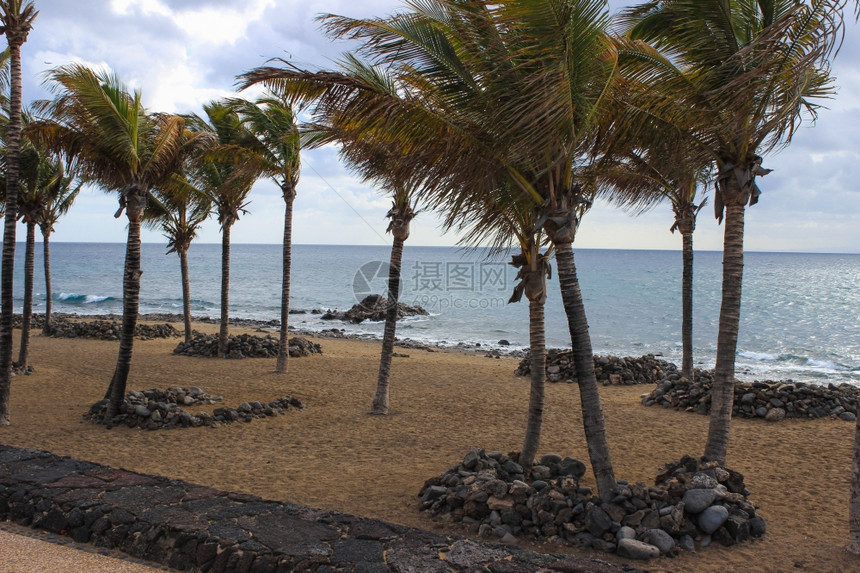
(465, 249)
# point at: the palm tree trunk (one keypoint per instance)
(130, 304)
(49, 298)
(537, 351)
(854, 501)
(687, 308)
(225, 290)
(380, 399)
(592, 412)
(27, 314)
(186, 291)
(7, 267)
(723, 391)
(283, 341)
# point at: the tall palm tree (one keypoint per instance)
(16, 20)
(275, 153)
(38, 173)
(400, 215)
(657, 165)
(114, 142)
(747, 71)
(485, 93)
(178, 209)
(225, 175)
(57, 200)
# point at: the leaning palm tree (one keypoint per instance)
(747, 72)
(16, 20)
(112, 140)
(275, 153)
(482, 93)
(178, 209)
(225, 176)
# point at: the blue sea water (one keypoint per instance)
(799, 318)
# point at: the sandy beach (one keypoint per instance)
(336, 456)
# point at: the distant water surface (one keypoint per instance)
(799, 318)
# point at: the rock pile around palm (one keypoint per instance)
(768, 400)
(160, 409)
(692, 502)
(373, 307)
(245, 346)
(609, 369)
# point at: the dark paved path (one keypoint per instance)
(191, 527)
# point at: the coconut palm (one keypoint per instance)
(16, 20)
(275, 153)
(654, 166)
(484, 93)
(746, 71)
(58, 198)
(38, 174)
(178, 209)
(114, 142)
(225, 175)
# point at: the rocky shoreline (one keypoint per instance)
(646, 369)
(245, 346)
(100, 327)
(692, 503)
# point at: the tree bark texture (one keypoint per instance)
(537, 351)
(225, 290)
(592, 412)
(27, 314)
(854, 500)
(49, 297)
(687, 307)
(186, 291)
(130, 303)
(380, 399)
(722, 394)
(283, 341)
(7, 267)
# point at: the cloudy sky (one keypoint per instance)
(184, 53)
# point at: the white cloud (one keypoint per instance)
(184, 53)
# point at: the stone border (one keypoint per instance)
(192, 527)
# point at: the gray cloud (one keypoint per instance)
(810, 202)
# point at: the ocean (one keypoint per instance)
(799, 318)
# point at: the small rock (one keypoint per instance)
(634, 549)
(775, 415)
(712, 518)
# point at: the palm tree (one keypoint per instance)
(16, 20)
(484, 93)
(225, 175)
(747, 71)
(178, 209)
(401, 214)
(656, 165)
(38, 173)
(57, 200)
(276, 154)
(113, 141)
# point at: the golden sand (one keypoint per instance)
(335, 456)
